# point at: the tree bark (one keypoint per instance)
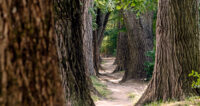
(88, 39)
(177, 52)
(70, 27)
(122, 50)
(29, 71)
(88, 47)
(98, 34)
(140, 40)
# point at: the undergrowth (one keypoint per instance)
(190, 101)
(100, 87)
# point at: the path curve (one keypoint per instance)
(120, 92)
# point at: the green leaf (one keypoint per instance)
(133, 4)
(118, 7)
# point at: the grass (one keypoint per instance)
(95, 98)
(103, 62)
(194, 101)
(100, 87)
(122, 71)
(131, 95)
(158, 103)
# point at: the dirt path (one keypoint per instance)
(120, 92)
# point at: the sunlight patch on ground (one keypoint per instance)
(116, 80)
(120, 92)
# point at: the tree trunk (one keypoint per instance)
(122, 51)
(88, 47)
(70, 33)
(29, 72)
(140, 40)
(177, 52)
(88, 39)
(98, 34)
(95, 53)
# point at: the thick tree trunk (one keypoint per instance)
(177, 51)
(98, 34)
(140, 40)
(70, 33)
(122, 51)
(29, 71)
(88, 39)
(88, 47)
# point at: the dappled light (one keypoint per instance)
(120, 92)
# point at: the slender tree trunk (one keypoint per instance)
(102, 28)
(95, 53)
(70, 33)
(98, 34)
(177, 51)
(140, 40)
(29, 72)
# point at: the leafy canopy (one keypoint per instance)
(139, 6)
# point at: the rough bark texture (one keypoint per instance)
(140, 40)
(70, 33)
(122, 51)
(29, 72)
(88, 47)
(88, 39)
(177, 51)
(98, 34)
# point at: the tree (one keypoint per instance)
(122, 50)
(70, 28)
(140, 40)
(177, 51)
(29, 72)
(98, 34)
(88, 39)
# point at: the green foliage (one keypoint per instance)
(149, 65)
(189, 101)
(195, 84)
(92, 12)
(115, 52)
(109, 43)
(95, 98)
(139, 6)
(158, 103)
(105, 5)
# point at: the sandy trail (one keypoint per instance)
(120, 92)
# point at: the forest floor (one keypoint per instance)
(122, 94)
(128, 93)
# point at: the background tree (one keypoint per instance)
(29, 72)
(70, 28)
(177, 51)
(109, 43)
(138, 20)
(140, 40)
(98, 34)
(102, 11)
(122, 49)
